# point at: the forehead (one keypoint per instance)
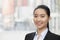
(40, 11)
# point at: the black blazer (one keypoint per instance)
(49, 36)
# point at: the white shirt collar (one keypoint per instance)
(43, 34)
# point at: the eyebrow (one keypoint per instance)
(40, 14)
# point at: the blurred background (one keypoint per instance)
(17, 16)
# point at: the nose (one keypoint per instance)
(38, 19)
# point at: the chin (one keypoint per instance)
(39, 27)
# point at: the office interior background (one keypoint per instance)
(16, 17)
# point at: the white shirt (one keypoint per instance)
(42, 35)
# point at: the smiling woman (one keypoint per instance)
(41, 20)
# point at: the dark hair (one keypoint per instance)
(46, 9)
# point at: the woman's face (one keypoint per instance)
(40, 18)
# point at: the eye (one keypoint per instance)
(35, 16)
(42, 16)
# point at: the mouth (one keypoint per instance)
(39, 23)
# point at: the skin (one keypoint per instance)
(40, 19)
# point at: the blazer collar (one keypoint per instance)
(33, 34)
(47, 35)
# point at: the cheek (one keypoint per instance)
(45, 20)
(34, 20)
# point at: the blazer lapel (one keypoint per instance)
(47, 37)
(32, 37)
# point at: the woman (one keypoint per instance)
(41, 20)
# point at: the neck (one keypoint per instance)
(40, 30)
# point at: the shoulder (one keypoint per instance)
(29, 35)
(53, 35)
